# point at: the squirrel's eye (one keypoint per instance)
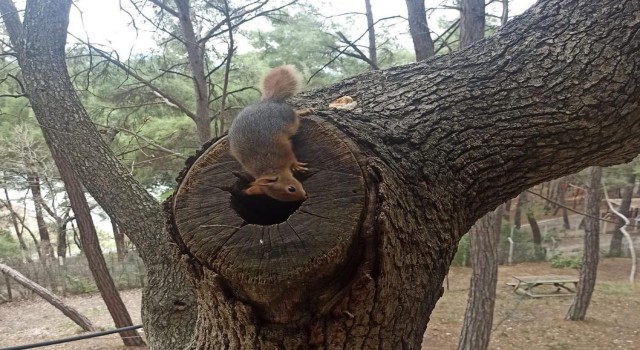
(291, 189)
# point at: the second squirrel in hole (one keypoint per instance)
(259, 137)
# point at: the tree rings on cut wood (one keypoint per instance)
(285, 259)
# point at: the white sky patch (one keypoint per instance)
(105, 23)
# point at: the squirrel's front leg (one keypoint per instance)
(297, 166)
(305, 112)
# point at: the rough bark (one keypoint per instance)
(419, 29)
(471, 22)
(443, 142)
(168, 306)
(51, 298)
(578, 308)
(93, 253)
(195, 54)
(478, 317)
(371, 29)
(615, 249)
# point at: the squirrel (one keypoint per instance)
(259, 137)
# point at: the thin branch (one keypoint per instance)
(166, 8)
(568, 208)
(178, 105)
(359, 54)
(145, 139)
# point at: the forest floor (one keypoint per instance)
(519, 322)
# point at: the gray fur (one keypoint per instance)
(252, 136)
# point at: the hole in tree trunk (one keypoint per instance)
(261, 210)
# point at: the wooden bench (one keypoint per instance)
(527, 285)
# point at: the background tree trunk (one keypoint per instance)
(478, 318)
(615, 249)
(168, 305)
(419, 29)
(562, 193)
(51, 298)
(118, 237)
(578, 308)
(371, 28)
(471, 22)
(45, 241)
(93, 253)
(517, 215)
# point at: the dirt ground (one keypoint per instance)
(613, 319)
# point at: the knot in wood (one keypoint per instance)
(285, 259)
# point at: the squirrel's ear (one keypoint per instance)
(257, 187)
(254, 190)
(264, 181)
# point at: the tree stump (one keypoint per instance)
(273, 255)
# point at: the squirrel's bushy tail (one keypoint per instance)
(281, 83)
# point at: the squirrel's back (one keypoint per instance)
(281, 83)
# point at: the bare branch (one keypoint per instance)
(164, 7)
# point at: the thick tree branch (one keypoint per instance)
(523, 103)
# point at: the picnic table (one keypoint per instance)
(530, 285)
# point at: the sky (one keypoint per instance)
(105, 23)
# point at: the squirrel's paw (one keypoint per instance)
(305, 112)
(299, 167)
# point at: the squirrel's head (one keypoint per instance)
(284, 188)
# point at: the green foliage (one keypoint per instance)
(463, 254)
(8, 245)
(561, 261)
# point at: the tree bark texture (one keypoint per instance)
(51, 298)
(471, 22)
(419, 29)
(615, 249)
(578, 308)
(478, 318)
(93, 253)
(371, 29)
(438, 145)
(168, 306)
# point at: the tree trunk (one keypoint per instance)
(578, 308)
(118, 236)
(562, 190)
(471, 22)
(507, 209)
(478, 318)
(419, 29)
(16, 227)
(95, 259)
(371, 29)
(536, 235)
(195, 54)
(168, 305)
(62, 239)
(51, 298)
(615, 249)
(45, 241)
(431, 148)
(517, 216)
